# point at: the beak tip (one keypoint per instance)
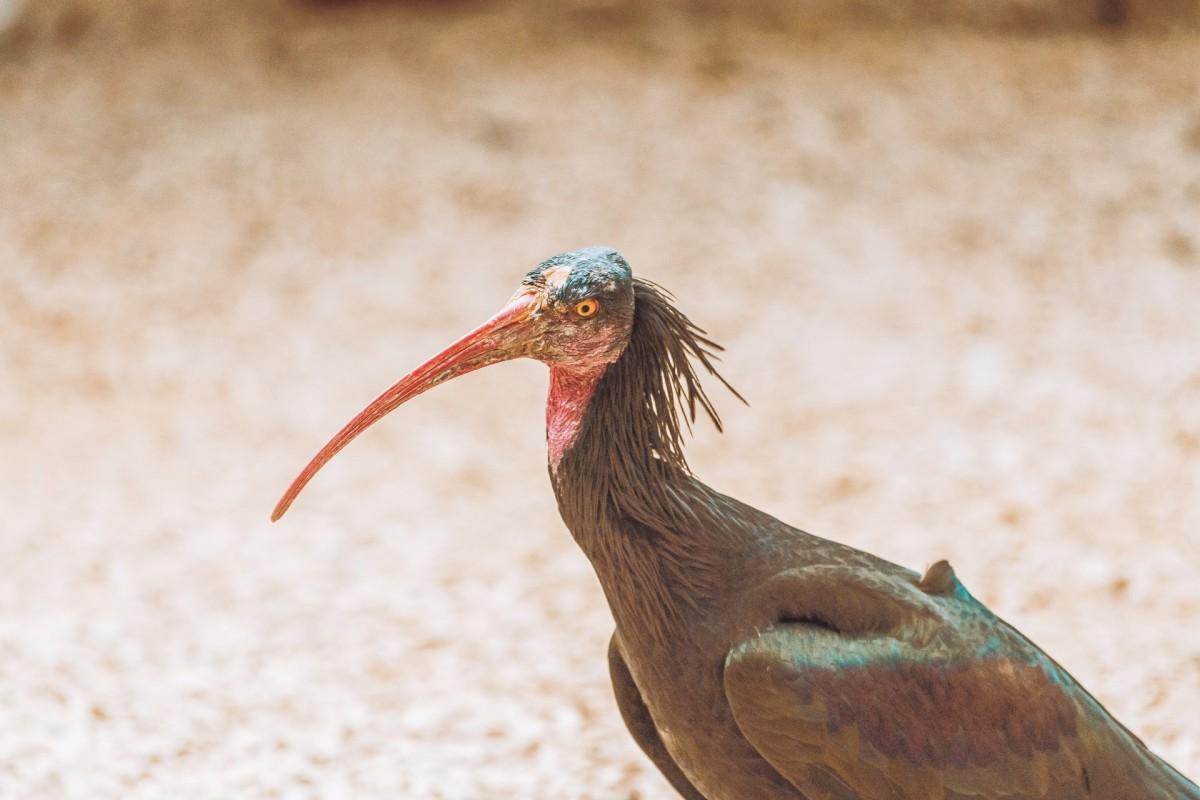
(290, 495)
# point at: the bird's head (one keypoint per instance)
(573, 311)
(580, 309)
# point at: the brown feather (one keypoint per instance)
(644, 403)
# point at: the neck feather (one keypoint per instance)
(615, 436)
(620, 428)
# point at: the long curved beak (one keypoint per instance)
(501, 338)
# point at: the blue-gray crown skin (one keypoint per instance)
(594, 272)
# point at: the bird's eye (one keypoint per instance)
(586, 308)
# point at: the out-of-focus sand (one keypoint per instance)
(957, 270)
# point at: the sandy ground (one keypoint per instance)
(957, 269)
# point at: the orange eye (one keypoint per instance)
(586, 308)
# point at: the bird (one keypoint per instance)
(752, 660)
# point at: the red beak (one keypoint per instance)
(500, 338)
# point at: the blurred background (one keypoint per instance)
(952, 248)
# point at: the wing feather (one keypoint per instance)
(947, 703)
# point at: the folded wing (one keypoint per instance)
(913, 690)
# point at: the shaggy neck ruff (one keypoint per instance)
(615, 437)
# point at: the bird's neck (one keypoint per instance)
(600, 478)
(643, 523)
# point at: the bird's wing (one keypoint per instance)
(641, 726)
(877, 687)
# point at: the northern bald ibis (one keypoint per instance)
(752, 660)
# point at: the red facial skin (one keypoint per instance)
(570, 392)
